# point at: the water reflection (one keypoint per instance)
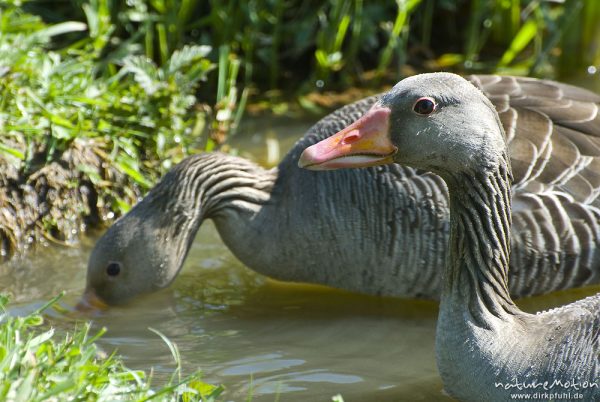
(257, 336)
(254, 335)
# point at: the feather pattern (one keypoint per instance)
(484, 342)
(555, 154)
(320, 227)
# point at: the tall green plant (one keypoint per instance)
(397, 35)
(334, 23)
(580, 39)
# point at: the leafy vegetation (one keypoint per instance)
(37, 364)
(331, 43)
(52, 98)
(90, 113)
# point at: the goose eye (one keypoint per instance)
(113, 269)
(424, 106)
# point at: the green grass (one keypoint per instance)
(38, 364)
(296, 43)
(50, 98)
(73, 94)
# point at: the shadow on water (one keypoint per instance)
(257, 336)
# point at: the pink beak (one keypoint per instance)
(366, 142)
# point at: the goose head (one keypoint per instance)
(145, 249)
(141, 253)
(438, 121)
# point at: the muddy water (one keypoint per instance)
(258, 337)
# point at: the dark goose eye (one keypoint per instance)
(424, 106)
(113, 268)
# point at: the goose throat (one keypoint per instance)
(479, 249)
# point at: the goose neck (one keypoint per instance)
(478, 259)
(203, 185)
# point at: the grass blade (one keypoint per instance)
(525, 35)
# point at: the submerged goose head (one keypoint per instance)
(145, 249)
(138, 254)
(438, 121)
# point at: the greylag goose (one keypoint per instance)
(486, 348)
(287, 223)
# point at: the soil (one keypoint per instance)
(58, 201)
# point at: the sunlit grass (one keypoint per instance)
(330, 43)
(39, 364)
(144, 113)
(74, 95)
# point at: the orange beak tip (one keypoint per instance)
(90, 302)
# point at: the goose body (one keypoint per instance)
(486, 348)
(287, 222)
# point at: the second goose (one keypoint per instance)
(485, 345)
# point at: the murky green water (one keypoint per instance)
(303, 343)
(254, 335)
(272, 340)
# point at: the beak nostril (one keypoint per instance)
(351, 137)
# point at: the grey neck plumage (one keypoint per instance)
(206, 185)
(482, 338)
(477, 269)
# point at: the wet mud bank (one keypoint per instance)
(55, 202)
